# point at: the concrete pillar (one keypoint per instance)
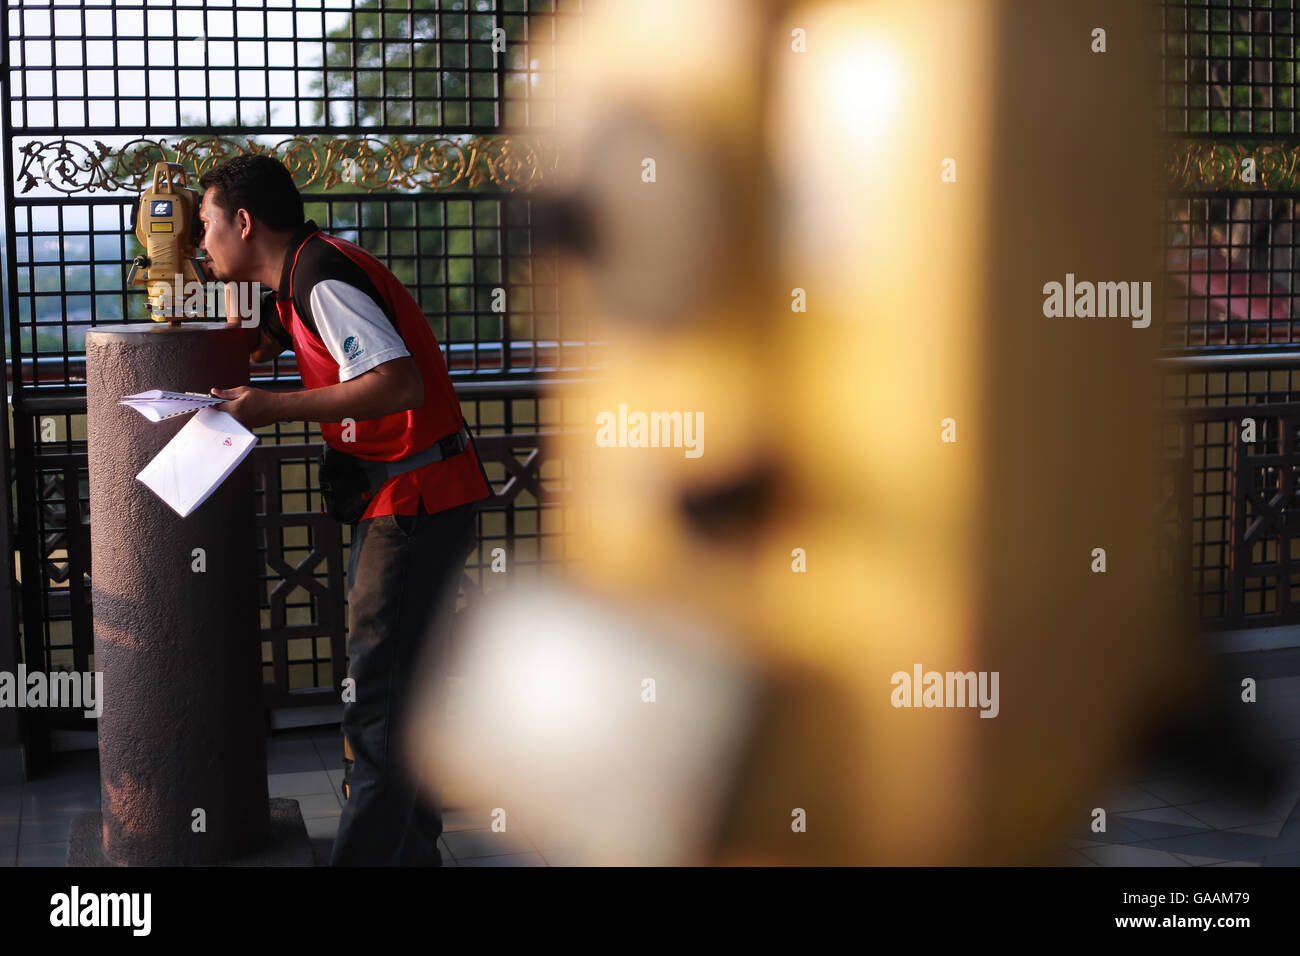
(182, 728)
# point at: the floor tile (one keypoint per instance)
(1191, 860)
(1223, 844)
(80, 784)
(511, 859)
(1117, 831)
(318, 804)
(292, 756)
(1130, 856)
(1224, 814)
(48, 854)
(469, 844)
(48, 830)
(63, 775)
(297, 733)
(1125, 799)
(325, 826)
(330, 751)
(1074, 858)
(1287, 805)
(1166, 815)
(1239, 863)
(9, 855)
(565, 856)
(1162, 822)
(295, 784)
(297, 737)
(465, 820)
(543, 839)
(336, 783)
(1178, 792)
(51, 805)
(1271, 829)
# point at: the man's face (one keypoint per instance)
(229, 253)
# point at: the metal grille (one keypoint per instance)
(304, 624)
(138, 67)
(409, 135)
(1230, 290)
(1229, 66)
(453, 252)
(1229, 107)
(1238, 510)
(303, 615)
(1231, 271)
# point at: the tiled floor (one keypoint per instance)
(1162, 817)
(1166, 818)
(306, 765)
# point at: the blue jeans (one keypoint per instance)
(403, 577)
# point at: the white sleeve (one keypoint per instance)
(354, 329)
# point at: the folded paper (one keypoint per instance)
(194, 464)
(156, 404)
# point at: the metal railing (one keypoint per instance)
(1231, 328)
(413, 129)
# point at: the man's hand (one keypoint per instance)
(251, 407)
(385, 389)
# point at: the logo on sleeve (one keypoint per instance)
(352, 348)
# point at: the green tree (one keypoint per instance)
(419, 67)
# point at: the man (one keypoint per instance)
(366, 354)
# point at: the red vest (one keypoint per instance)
(442, 484)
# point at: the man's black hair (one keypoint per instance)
(259, 184)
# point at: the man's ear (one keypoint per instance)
(244, 223)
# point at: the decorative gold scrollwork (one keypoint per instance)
(366, 164)
(1201, 164)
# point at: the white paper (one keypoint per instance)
(156, 404)
(194, 464)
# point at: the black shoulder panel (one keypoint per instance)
(270, 319)
(319, 260)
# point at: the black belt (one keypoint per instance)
(443, 448)
(348, 483)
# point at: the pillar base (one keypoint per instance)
(289, 844)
